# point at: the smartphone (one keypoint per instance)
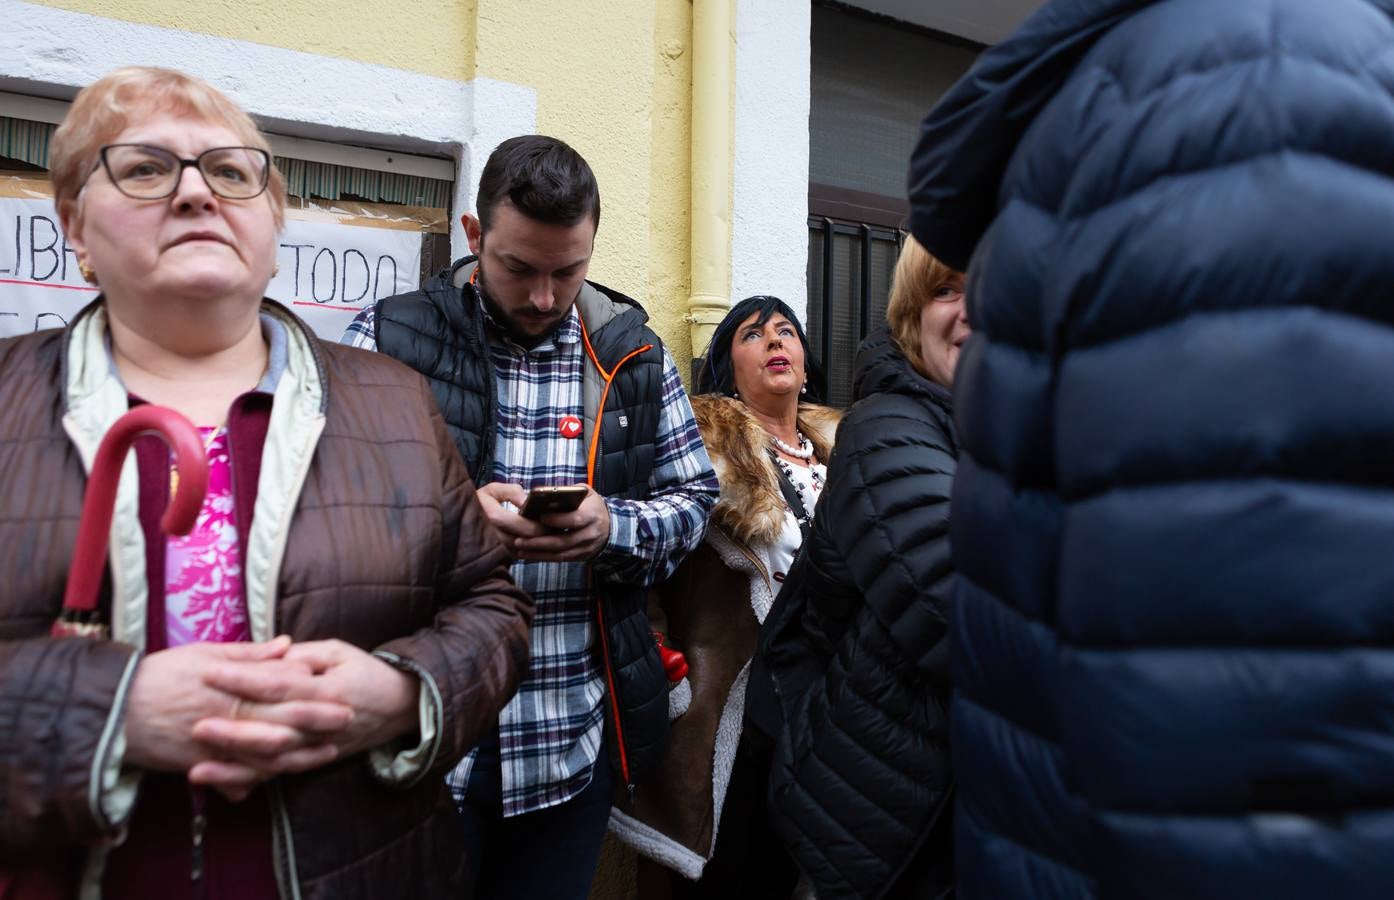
(543, 500)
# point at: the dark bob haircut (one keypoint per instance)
(543, 177)
(716, 375)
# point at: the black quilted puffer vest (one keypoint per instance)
(439, 332)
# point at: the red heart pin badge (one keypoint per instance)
(570, 427)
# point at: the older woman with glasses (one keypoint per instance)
(862, 781)
(285, 686)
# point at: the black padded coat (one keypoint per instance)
(861, 783)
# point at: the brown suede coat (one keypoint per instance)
(384, 547)
(707, 610)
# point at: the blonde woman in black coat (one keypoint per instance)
(861, 784)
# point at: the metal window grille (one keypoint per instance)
(331, 182)
(849, 283)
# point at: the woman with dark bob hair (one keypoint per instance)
(703, 815)
(862, 781)
(283, 689)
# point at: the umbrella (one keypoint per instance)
(79, 617)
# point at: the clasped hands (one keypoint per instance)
(234, 715)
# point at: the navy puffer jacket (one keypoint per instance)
(1174, 514)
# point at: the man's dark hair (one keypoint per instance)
(543, 177)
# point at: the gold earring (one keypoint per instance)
(85, 270)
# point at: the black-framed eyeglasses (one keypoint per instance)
(143, 172)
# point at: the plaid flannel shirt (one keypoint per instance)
(550, 732)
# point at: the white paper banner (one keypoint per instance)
(328, 271)
(39, 283)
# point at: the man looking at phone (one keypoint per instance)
(547, 380)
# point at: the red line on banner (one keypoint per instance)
(327, 306)
(66, 287)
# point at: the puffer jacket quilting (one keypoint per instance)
(439, 331)
(861, 782)
(1173, 509)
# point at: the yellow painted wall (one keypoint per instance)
(614, 81)
(670, 173)
(433, 37)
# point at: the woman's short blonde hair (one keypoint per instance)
(917, 276)
(105, 108)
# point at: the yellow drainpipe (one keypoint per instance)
(713, 48)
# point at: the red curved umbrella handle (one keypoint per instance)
(94, 528)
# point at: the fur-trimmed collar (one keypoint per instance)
(751, 507)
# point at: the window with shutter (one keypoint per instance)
(873, 80)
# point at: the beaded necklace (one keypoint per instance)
(803, 451)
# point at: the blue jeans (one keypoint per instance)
(550, 853)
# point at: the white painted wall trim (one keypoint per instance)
(769, 240)
(52, 53)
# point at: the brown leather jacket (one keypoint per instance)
(370, 534)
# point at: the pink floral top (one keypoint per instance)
(203, 572)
